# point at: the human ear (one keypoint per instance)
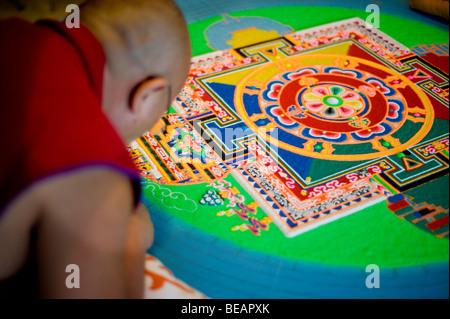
(150, 95)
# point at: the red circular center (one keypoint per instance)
(378, 109)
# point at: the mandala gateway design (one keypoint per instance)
(356, 116)
(352, 108)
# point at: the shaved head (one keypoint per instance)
(142, 39)
(137, 33)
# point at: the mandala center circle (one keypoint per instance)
(333, 101)
(331, 112)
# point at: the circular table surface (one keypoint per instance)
(223, 269)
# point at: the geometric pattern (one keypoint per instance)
(438, 49)
(315, 125)
(425, 216)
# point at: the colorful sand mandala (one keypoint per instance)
(315, 125)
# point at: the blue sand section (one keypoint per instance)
(226, 93)
(223, 270)
(300, 164)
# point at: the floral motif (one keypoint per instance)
(373, 132)
(280, 117)
(333, 101)
(302, 72)
(353, 73)
(273, 90)
(381, 86)
(395, 111)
